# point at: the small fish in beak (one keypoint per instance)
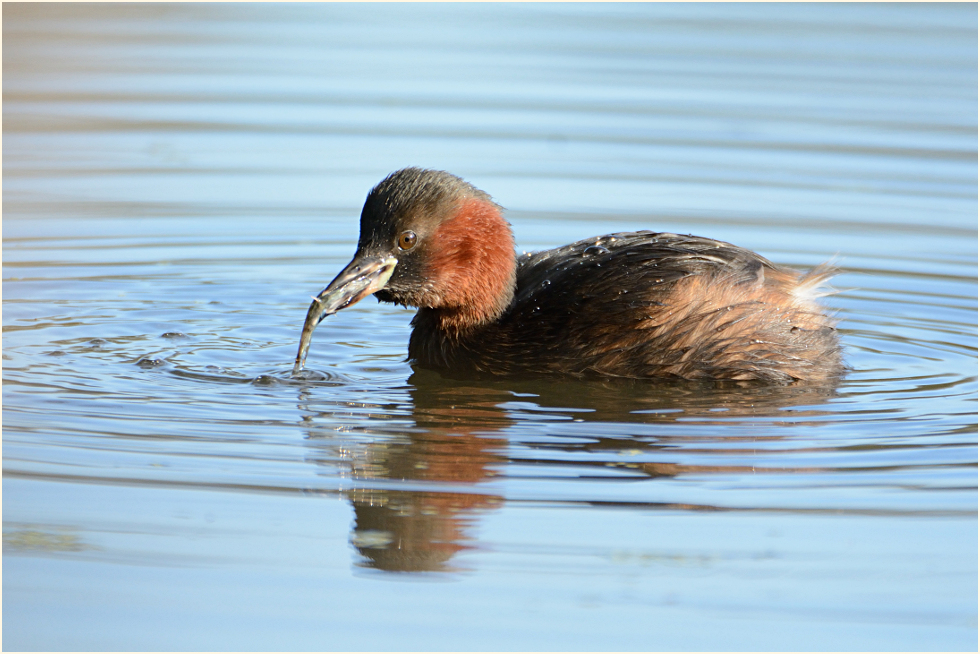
(363, 276)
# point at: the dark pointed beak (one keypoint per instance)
(365, 275)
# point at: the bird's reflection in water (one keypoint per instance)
(421, 530)
(457, 445)
(450, 453)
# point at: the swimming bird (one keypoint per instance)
(645, 305)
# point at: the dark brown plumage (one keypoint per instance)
(638, 305)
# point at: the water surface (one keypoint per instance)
(179, 179)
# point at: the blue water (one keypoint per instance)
(179, 179)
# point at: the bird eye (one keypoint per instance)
(407, 240)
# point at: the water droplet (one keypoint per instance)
(594, 250)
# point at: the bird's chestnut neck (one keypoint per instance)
(471, 269)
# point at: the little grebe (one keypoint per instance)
(637, 304)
